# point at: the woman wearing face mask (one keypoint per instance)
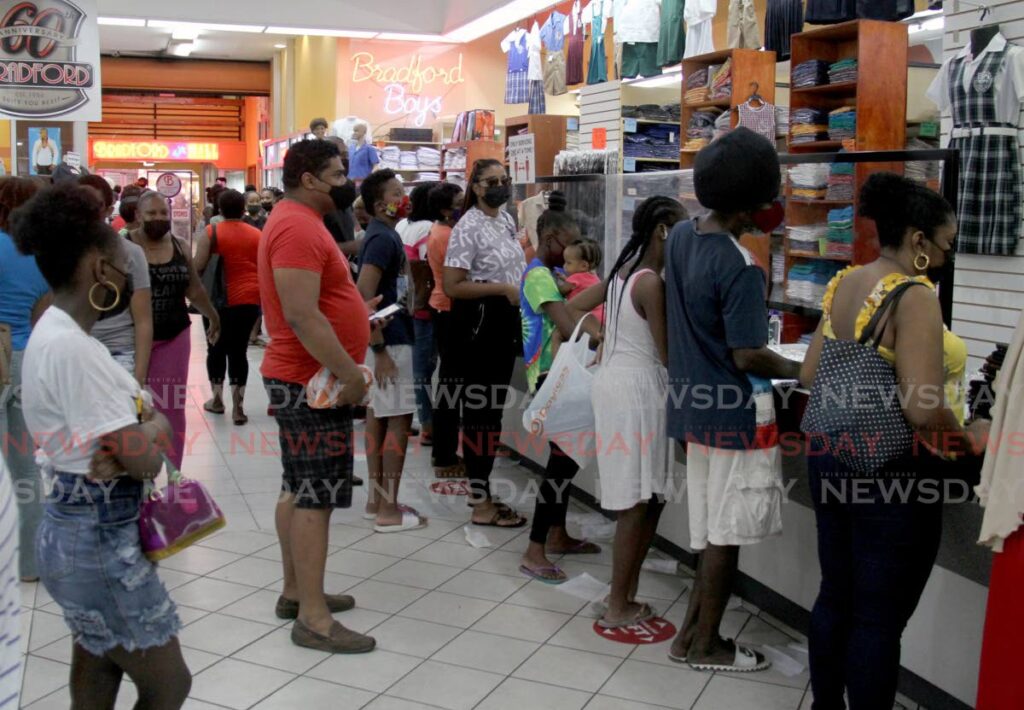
(267, 199)
(238, 244)
(444, 205)
(876, 555)
(482, 271)
(94, 426)
(254, 216)
(173, 279)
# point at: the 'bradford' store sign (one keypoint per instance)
(50, 60)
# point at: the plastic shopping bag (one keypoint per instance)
(561, 410)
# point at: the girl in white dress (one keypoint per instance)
(629, 397)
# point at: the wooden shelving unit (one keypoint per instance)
(548, 138)
(749, 67)
(880, 96)
(475, 150)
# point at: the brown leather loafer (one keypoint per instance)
(289, 609)
(340, 640)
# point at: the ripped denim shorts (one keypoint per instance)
(91, 563)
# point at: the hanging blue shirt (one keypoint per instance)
(21, 286)
(552, 34)
(361, 160)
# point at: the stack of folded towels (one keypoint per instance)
(842, 123)
(840, 233)
(842, 71)
(813, 72)
(809, 180)
(807, 125)
(840, 182)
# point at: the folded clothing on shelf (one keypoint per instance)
(781, 121)
(391, 157)
(809, 175)
(805, 237)
(840, 225)
(842, 71)
(455, 159)
(721, 81)
(842, 123)
(652, 141)
(807, 125)
(407, 160)
(698, 86)
(840, 182)
(723, 124)
(428, 158)
(813, 72)
(807, 280)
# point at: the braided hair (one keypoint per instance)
(652, 212)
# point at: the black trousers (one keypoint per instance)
(447, 407)
(487, 333)
(553, 496)
(229, 353)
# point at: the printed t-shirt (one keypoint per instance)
(295, 238)
(538, 288)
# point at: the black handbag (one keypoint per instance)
(213, 276)
(854, 410)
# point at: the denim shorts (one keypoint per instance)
(91, 563)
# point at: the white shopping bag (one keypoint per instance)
(561, 410)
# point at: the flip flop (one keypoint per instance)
(410, 521)
(644, 613)
(583, 547)
(503, 513)
(401, 506)
(539, 576)
(747, 660)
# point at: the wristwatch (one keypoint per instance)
(378, 348)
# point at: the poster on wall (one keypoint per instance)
(522, 159)
(44, 150)
(50, 60)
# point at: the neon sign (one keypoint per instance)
(404, 84)
(154, 150)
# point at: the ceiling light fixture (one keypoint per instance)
(667, 79)
(121, 21)
(320, 32)
(204, 26)
(503, 16)
(409, 37)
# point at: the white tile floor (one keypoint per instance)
(456, 627)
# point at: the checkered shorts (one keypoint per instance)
(989, 211)
(537, 102)
(517, 89)
(316, 448)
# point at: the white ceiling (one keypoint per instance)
(467, 18)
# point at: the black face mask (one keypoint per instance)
(156, 228)
(267, 206)
(120, 305)
(253, 210)
(343, 195)
(496, 195)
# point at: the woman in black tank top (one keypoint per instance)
(173, 280)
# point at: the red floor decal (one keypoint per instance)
(654, 630)
(450, 488)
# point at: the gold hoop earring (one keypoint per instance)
(109, 285)
(927, 261)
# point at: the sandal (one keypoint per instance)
(410, 521)
(645, 613)
(747, 660)
(456, 470)
(401, 506)
(583, 547)
(502, 515)
(554, 574)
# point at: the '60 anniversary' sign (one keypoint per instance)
(50, 60)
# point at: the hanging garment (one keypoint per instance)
(698, 15)
(759, 119)
(636, 20)
(597, 71)
(672, 36)
(554, 74)
(889, 10)
(743, 30)
(783, 19)
(574, 62)
(552, 35)
(538, 104)
(515, 45)
(984, 94)
(535, 70)
(829, 12)
(552, 32)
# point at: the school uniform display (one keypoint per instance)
(699, 15)
(743, 30)
(552, 35)
(783, 19)
(517, 89)
(574, 60)
(535, 72)
(983, 94)
(596, 15)
(637, 28)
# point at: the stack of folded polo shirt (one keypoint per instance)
(813, 72)
(842, 71)
(809, 180)
(842, 123)
(840, 182)
(807, 125)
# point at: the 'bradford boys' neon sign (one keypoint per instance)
(404, 85)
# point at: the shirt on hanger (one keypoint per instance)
(1009, 83)
(515, 46)
(699, 33)
(533, 43)
(604, 11)
(637, 21)
(552, 34)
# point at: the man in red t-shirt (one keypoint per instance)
(316, 319)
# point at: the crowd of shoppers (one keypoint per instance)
(681, 311)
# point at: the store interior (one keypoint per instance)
(439, 85)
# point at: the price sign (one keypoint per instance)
(168, 184)
(929, 129)
(630, 125)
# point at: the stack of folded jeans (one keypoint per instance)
(652, 141)
(842, 71)
(842, 123)
(813, 72)
(807, 125)
(809, 180)
(840, 182)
